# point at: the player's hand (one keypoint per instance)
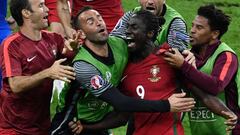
(189, 57)
(70, 32)
(180, 103)
(231, 120)
(174, 57)
(76, 127)
(61, 72)
(72, 44)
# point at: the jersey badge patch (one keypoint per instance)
(108, 76)
(96, 82)
(154, 71)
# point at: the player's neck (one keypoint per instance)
(100, 50)
(31, 33)
(201, 49)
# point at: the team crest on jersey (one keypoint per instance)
(154, 71)
(96, 82)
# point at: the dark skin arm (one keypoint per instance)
(112, 120)
(215, 105)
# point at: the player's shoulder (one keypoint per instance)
(12, 39)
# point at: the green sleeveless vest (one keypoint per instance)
(89, 107)
(202, 120)
(169, 16)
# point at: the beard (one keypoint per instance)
(99, 42)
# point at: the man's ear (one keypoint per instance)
(26, 13)
(150, 34)
(82, 34)
(215, 34)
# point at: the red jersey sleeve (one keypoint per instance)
(11, 61)
(223, 71)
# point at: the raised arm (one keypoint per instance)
(65, 17)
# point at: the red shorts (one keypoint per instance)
(52, 14)
(8, 132)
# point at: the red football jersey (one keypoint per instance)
(152, 79)
(28, 112)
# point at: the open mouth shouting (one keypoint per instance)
(103, 31)
(130, 42)
(150, 9)
(45, 18)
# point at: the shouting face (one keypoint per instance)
(38, 15)
(136, 34)
(93, 27)
(154, 6)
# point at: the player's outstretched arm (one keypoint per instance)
(124, 103)
(178, 103)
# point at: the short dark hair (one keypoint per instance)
(76, 22)
(216, 18)
(16, 7)
(152, 22)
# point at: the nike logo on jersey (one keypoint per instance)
(30, 59)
